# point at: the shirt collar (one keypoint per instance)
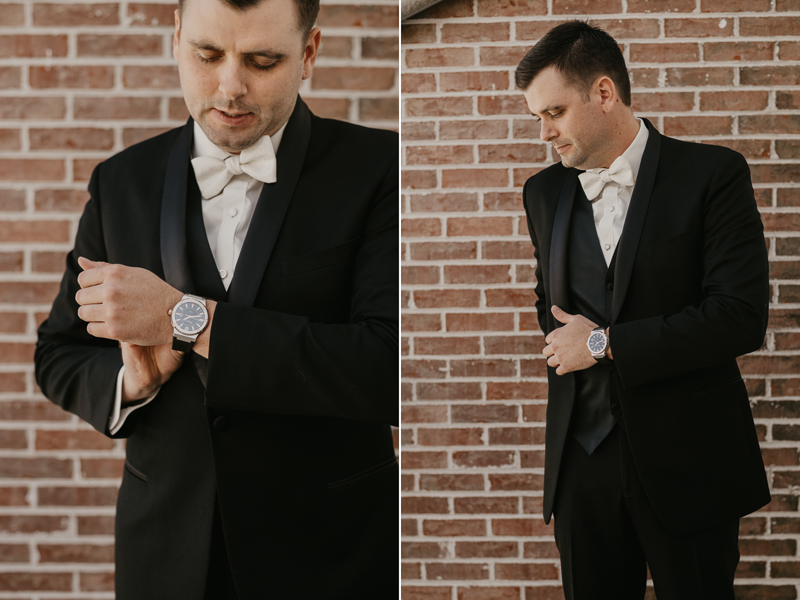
(205, 147)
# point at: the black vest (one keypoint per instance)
(207, 283)
(205, 274)
(203, 267)
(591, 288)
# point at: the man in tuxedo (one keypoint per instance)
(230, 307)
(651, 279)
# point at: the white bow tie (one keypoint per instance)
(594, 180)
(257, 161)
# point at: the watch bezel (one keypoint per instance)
(176, 325)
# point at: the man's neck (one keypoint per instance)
(621, 136)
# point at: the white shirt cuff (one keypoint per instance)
(119, 414)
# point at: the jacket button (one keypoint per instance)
(221, 423)
(614, 407)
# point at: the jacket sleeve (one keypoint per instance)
(731, 318)
(541, 303)
(269, 361)
(75, 370)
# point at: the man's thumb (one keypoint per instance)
(87, 264)
(560, 315)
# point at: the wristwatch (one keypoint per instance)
(598, 344)
(189, 319)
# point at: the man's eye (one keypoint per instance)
(261, 67)
(555, 115)
(207, 59)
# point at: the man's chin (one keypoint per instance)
(227, 140)
(572, 161)
(567, 162)
(564, 155)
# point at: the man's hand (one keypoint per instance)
(127, 304)
(566, 346)
(131, 305)
(147, 368)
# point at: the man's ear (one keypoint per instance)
(310, 51)
(176, 37)
(605, 88)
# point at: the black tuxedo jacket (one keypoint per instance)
(690, 294)
(291, 428)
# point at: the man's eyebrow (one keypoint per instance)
(210, 47)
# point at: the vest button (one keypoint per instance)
(221, 423)
(614, 408)
(610, 286)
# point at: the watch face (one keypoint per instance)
(597, 343)
(189, 317)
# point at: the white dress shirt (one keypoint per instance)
(611, 207)
(227, 218)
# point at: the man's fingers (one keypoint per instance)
(92, 276)
(98, 330)
(89, 295)
(91, 313)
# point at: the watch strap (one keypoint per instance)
(182, 344)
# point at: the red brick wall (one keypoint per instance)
(79, 82)
(718, 71)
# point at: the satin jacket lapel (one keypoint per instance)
(634, 220)
(271, 209)
(559, 239)
(174, 254)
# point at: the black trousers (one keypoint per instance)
(608, 534)
(219, 580)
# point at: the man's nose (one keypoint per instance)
(232, 82)
(547, 132)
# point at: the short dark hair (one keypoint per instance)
(307, 10)
(581, 53)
